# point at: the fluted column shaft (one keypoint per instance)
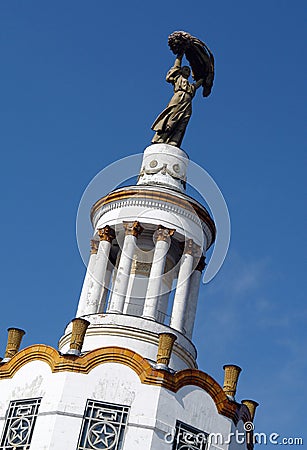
(132, 231)
(106, 236)
(162, 244)
(182, 289)
(193, 297)
(87, 279)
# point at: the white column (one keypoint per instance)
(106, 236)
(182, 289)
(87, 279)
(103, 299)
(132, 231)
(193, 297)
(162, 243)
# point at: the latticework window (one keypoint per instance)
(103, 426)
(19, 424)
(189, 438)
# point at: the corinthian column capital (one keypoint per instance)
(133, 228)
(163, 234)
(190, 248)
(106, 234)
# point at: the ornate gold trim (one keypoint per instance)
(106, 234)
(163, 234)
(147, 374)
(133, 228)
(155, 195)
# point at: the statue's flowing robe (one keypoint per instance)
(170, 125)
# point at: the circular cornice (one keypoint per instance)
(137, 193)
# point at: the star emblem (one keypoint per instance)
(19, 431)
(102, 435)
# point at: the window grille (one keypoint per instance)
(103, 426)
(189, 438)
(19, 424)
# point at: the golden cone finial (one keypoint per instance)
(13, 342)
(251, 405)
(79, 327)
(231, 377)
(166, 343)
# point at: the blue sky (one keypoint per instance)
(80, 84)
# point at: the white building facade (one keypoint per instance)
(125, 375)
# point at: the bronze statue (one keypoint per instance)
(171, 124)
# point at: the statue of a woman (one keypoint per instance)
(170, 125)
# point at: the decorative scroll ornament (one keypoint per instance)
(164, 170)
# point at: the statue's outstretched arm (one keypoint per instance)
(178, 60)
(175, 70)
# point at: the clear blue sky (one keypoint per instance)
(80, 85)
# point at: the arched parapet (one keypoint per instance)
(146, 373)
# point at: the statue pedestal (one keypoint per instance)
(164, 165)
